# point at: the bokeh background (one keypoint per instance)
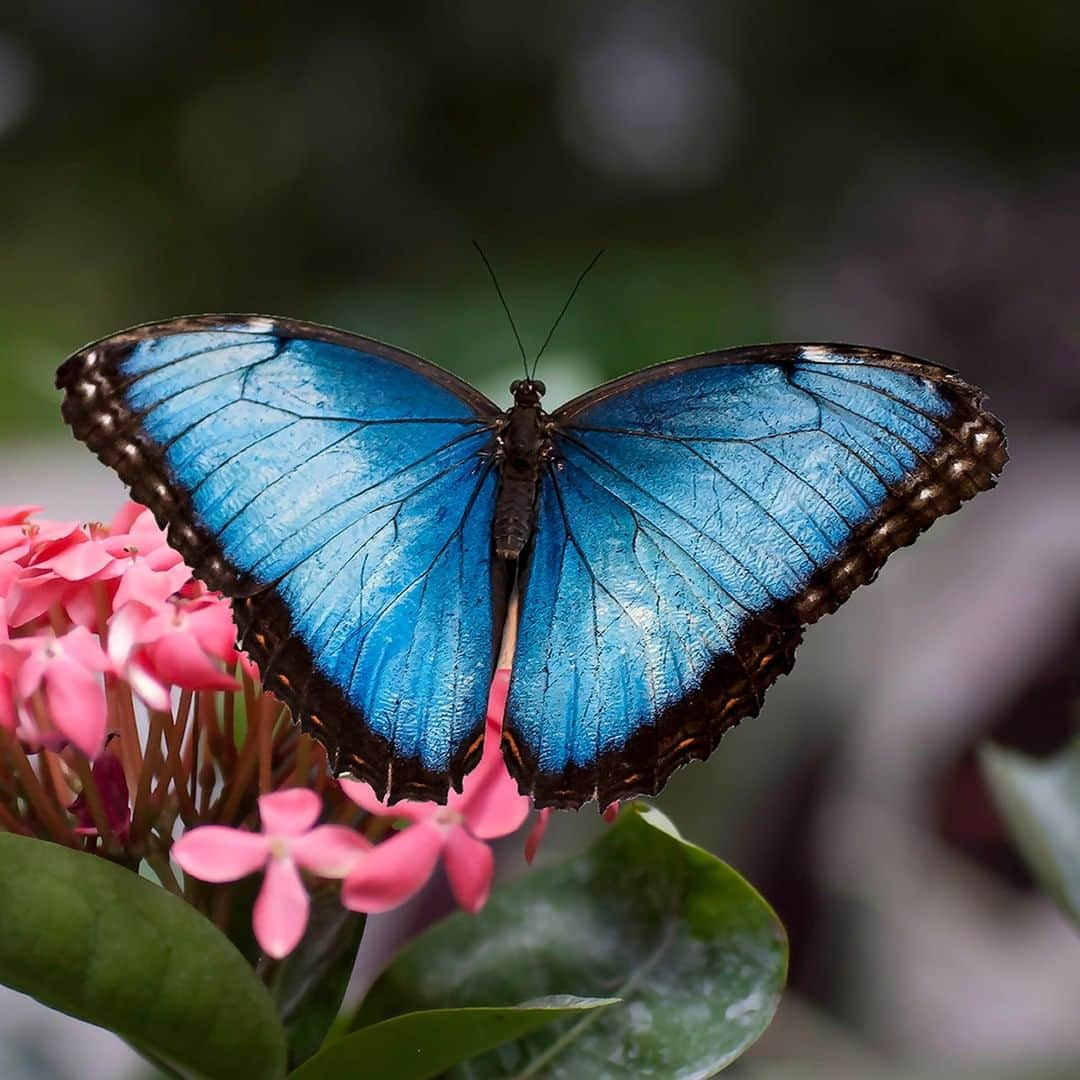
(905, 175)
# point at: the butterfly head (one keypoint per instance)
(527, 391)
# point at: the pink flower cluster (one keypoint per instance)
(96, 618)
(81, 602)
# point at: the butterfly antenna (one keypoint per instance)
(565, 307)
(506, 306)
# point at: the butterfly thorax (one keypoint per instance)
(522, 447)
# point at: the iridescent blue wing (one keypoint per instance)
(694, 517)
(342, 491)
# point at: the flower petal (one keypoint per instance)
(490, 801)
(500, 687)
(290, 812)
(364, 797)
(143, 682)
(219, 853)
(178, 659)
(82, 562)
(470, 866)
(7, 704)
(76, 701)
(124, 627)
(143, 584)
(29, 598)
(281, 909)
(331, 851)
(536, 834)
(15, 515)
(211, 623)
(84, 647)
(393, 870)
(81, 606)
(9, 574)
(125, 516)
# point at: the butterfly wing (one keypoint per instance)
(342, 492)
(694, 518)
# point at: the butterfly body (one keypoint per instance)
(670, 534)
(523, 446)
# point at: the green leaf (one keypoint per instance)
(1040, 802)
(698, 957)
(420, 1045)
(102, 944)
(309, 984)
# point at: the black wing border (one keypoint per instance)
(968, 458)
(95, 409)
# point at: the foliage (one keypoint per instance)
(696, 956)
(1040, 801)
(96, 941)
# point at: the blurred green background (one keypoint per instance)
(905, 175)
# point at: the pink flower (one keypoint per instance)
(24, 541)
(145, 585)
(34, 547)
(288, 841)
(64, 578)
(58, 561)
(67, 671)
(489, 806)
(135, 534)
(175, 642)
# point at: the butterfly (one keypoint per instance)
(648, 553)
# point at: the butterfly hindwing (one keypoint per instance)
(342, 492)
(694, 517)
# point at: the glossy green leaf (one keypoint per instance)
(698, 957)
(309, 985)
(106, 946)
(1040, 802)
(419, 1045)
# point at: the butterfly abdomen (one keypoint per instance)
(522, 443)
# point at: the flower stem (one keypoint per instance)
(50, 765)
(140, 817)
(159, 863)
(11, 823)
(130, 744)
(44, 808)
(174, 767)
(266, 737)
(229, 722)
(236, 786)
(219, 907)
(303, 761)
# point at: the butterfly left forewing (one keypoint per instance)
(695, 517)
(341, 491)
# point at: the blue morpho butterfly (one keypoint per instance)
(669, 533)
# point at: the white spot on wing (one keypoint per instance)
(815, 354)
